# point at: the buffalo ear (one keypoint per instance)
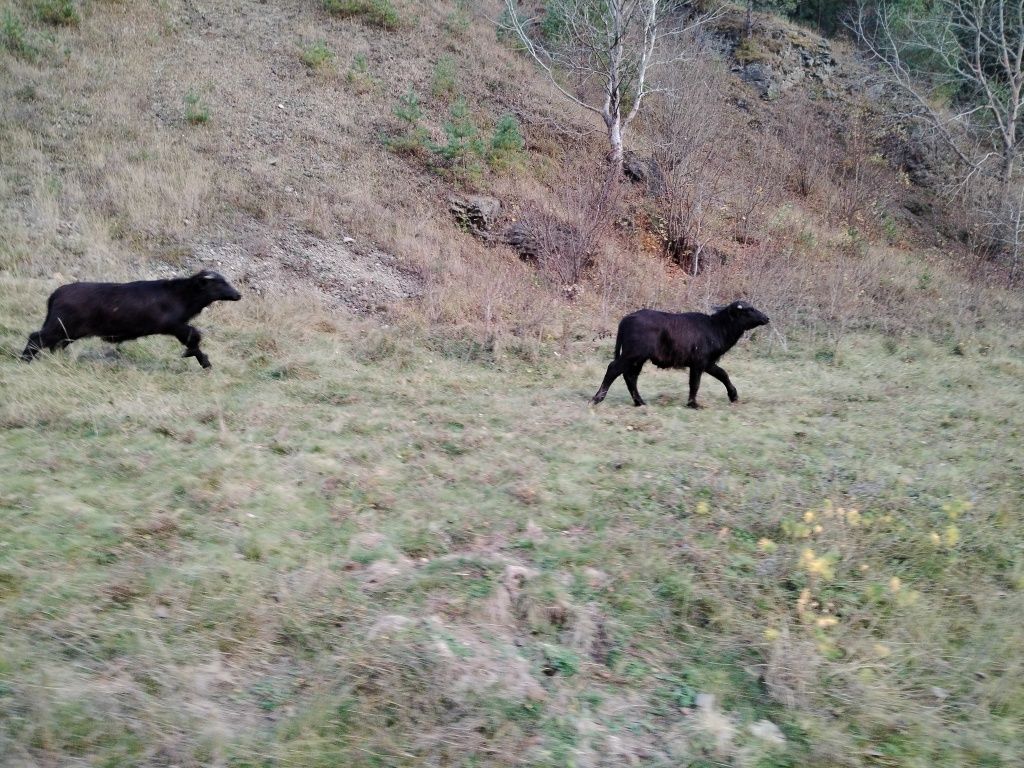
(719, 307)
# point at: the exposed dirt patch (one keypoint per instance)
(363, 278)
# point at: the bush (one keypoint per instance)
(61, 13)
(14, 38)
(507, 144)
(443, 83)
(413, 140)
(464, 149)
(358, 75)
(317, 55)
(196, 110)
(457, 22)
(377, 13)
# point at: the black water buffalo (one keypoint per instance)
(690, 340)
(119, 312)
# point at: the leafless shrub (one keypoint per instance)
(811, 154)
(862, 180)
(624, 281)
(758, 189)
(687, 131)
(562, 233)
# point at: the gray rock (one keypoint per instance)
(762, 77)
(643, 170)
(476, 213)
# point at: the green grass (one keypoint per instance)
(443, 82)
(197, 111)
(15, 38)
(60, 13)
(316, 55)
(342, 546)
(376, 13)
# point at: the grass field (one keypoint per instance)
(353, 545)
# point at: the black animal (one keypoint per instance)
(690, 340)
(119, 312)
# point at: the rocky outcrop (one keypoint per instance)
(782, 59)
(644, 171)
(477, 214)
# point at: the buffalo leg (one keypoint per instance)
(723, 377)
(695, 374)
(615, 369)
(191, 337)
(631, 374)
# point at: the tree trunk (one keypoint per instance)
(615, 139)
(749, 29)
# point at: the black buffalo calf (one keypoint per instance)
(119, 312)
(690, 340)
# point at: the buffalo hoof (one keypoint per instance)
(638, 403)
(693, 404)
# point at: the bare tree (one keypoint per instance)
(973, 49)
(607, 48)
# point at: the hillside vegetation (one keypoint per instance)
(387, 529)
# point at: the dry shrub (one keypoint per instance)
(811, 152)
(562, 233)
(623, 281)
(687, 129)
(758, 188)
(863, 182)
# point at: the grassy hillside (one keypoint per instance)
(387, 529)
(349, 546)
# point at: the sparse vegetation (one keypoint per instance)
(378, 13)
(456, 24)
(318, 54)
